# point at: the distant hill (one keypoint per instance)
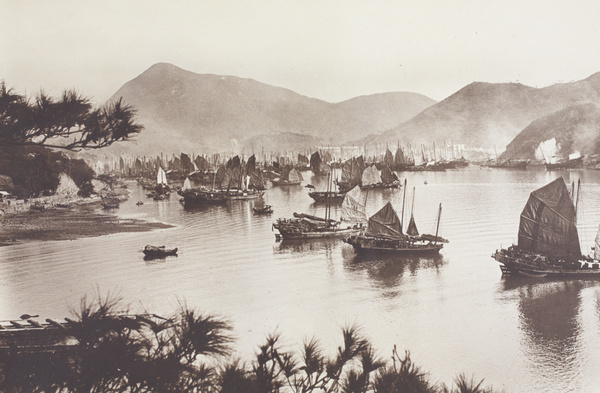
(576, 128)
(185, 111)
(488, 114)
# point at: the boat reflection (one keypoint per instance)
(387, 270)
(549, 318)
(305, 245)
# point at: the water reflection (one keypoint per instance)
(387, 270)
(550, 319)
(305, 245)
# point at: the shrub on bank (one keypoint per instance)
(191, 352)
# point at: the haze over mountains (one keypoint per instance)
(185, 111)
(488, 114)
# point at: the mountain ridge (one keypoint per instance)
(486, 114)
(214, 112)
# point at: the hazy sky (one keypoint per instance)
(331, 50)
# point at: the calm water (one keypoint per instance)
(455, 312)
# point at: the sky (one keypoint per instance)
(330, 50)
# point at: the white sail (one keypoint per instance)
(370, 176)
(575, 155)
(161, 177)
(597, 245)
(187, 185)
(353, 207)
(548, 151)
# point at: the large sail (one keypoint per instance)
(399, 158)
(370, 176)
(347, 171)
(384, 223)
(387, 176)
(187, 185)
(353, 206)
(412, 227)
(161, 177)
(388, 159)
(547, 223)
(548, 150)
(597, 245)
(315, 162)
(294, 176)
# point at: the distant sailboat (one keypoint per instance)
(162, 189)
(289, 177)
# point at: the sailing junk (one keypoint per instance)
(548, 242)
(549, 150)
(384, 234)
(289, 177)
(305, 226)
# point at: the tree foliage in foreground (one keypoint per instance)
(191, 352)
(69, 122)
(36, 170)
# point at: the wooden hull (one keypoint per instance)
(364, 244)
(574, 163)
(323, 196)
(203, 197)
(381, 185)
(512, 264)
(318, 234)
(154, 253)
(263, 210)
(285, 183)
(244, 196)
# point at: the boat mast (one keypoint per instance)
(437, 228)
(403, 199)
(413, 204)
(327, 212)
(577, 199)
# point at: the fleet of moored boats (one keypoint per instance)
(548, 244)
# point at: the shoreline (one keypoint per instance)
(81, 219)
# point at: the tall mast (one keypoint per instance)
(403, 199)
(577, 199)
(437, 228)
(413, 203)
(327, 198)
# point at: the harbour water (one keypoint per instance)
(454, 312)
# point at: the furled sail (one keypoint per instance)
(385, 223)
(353, 206)
(547, 223)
